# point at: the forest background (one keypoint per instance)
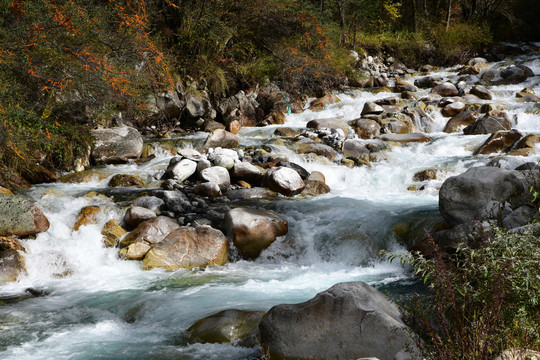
(67, 66)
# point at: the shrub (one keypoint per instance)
(481, 301)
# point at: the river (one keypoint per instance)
(96, 306)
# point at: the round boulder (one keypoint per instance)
(490, 123)
(217, 175)
(181, 170)
(136, 215)
(284, 180)
(348, 321)
(253, 230)
(189, 247)
(126, 180)
(445, 89)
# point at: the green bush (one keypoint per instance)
(460, 42)
(481, 300)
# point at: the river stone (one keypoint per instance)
(518, 354)
(10, 243)
(181, 170)
(112, 232)
(224, 161)
(453, 109)
(464, 118)
(136, 215)
(189, 248)
(514, 75)
(217, 175)
(445, 89)
(151, 231)
(371, 108)
(367, 129)
(463, 198)
(498, 141)
(247, 172)
(490, 123)
(84, 177)
(332, 123)
(11, 265)
(87, 215)
(176, 201)
(116, 145)
(286, 132)
(284, 180)
(317, 175)
(525, 146)
(320, 103)
(355, 149)
(425, 82)
(318, 149)
(425, 175)
(222, 138)
(126, 180)
(405, 86)
(149, 202)
(348, 321)
(481, 92)
(405, 138)
(252, 193)
(20, 217)
(207, 189)
(315, 188)
(226, 326)
(253, 230)
(135, 251)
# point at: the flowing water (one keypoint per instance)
(96, 306)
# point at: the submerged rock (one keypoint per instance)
(253, 230)
(112, 232)
(225, 326)
(20, 217)
(189, 247)
(348, 321)
(11, 265)
(87, 215)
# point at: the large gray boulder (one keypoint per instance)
(116, 145)
(348, 321)
(188, 248)
(465, 197)
(253, 230)
(19, 217)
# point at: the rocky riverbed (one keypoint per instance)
(180, 245)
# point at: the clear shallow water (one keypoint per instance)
(96, 306)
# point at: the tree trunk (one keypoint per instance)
(415, 20)
(448, 14)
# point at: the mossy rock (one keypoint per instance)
(87, 215)
(126, 180)
(225, 326)
(84, 177)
